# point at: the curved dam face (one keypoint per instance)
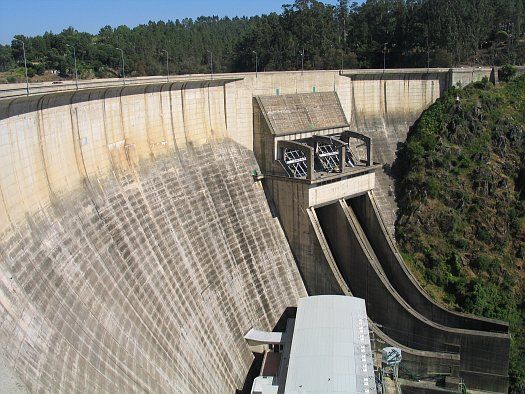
(149, 284)
(136, 248)
(129, 262)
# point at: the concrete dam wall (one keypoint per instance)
(136, 249)
(385, 105)
(134, 258)
(150, 284)
(393, 104)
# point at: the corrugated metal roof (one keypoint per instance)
(331, 350)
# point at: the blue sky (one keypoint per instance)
(33, 17)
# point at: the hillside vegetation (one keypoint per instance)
(461, 187)
(376, 33)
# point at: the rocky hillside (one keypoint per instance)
(461, 223)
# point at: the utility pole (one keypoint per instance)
(211, 63)
(256, 63)
(167, 66)
(75, 59)
(123, 71)
(25, 64)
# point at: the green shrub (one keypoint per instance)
(433, 187)
(507, 72)
(484, 84)
(460, 242)
(483, 234)
(40, 69)
(485, 263)
(441, 58)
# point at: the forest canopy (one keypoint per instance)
(400, 33)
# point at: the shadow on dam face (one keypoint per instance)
(148, 281)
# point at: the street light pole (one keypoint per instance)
(167, 66)
(384, 56)
(75, 59)
(211, 63)
(302, 61)
(256, 63)
(428, 55)
(123, 70)
(25, 64)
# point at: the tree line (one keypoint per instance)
(307, 33)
